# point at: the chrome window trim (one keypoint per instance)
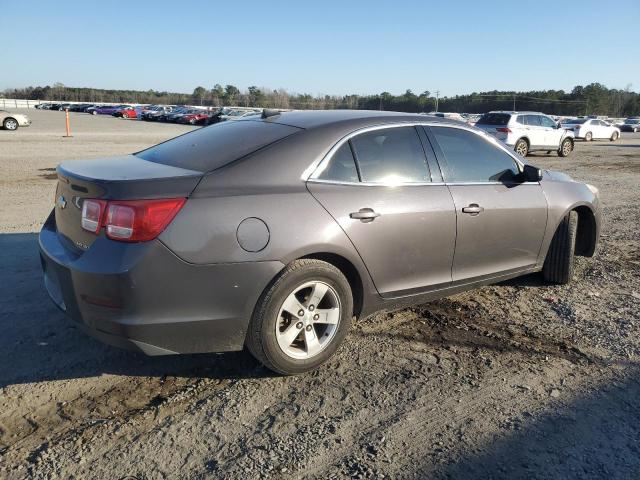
(317, 167)
(415, 184)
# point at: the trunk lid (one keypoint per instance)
(115, 178)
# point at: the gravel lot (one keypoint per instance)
(518, 380)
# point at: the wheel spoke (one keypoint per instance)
(290, 334)
(328, 315)
(317, 294)
(292, 305)
(311, 342)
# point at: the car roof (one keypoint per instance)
(309, 119)
(517, 112)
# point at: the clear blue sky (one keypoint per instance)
(322, 47)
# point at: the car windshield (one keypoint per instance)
(212, 147)
(494, 119)
(576, 121)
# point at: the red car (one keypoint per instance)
(194, 117)
(129, 112)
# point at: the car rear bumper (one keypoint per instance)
(141, 296)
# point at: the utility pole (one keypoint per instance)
(437, 97)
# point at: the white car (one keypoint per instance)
(590, 128)
(527, 132)
(11, 121)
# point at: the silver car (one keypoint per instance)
(274, 232)
(11, 121)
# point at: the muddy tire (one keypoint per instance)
(521, 147)
(558, 266)
(566, 147)
(301, 318)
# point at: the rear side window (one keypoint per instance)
(391, 155)
(342, 167)
(533, 120)
(494, 119)
(212, 147)
(471, 158)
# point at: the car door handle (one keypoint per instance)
(473, 209)
(365, 215)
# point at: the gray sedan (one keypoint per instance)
(274, 232)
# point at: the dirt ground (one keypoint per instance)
(518, 380)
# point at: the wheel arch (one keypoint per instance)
(350, 271)
(586, 235)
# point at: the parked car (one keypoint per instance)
(175, 114)
(11, 121)
(107, 109)
(194, 117)
(80, 107)
(128, 112)
(527, 132)
(154, 112)
(631, 125)
(258, 232)
(590, 128)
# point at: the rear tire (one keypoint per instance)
(558, 266)
(588, 137)
(566, 147)
(271, 321)
(521, 147)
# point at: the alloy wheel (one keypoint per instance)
(11, 124)
(521, 148)
(308, 320)
(566, 148)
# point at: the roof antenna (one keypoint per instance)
(270, 112)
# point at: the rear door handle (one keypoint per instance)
(473, 209)
(365, 215)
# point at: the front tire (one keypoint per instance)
(614, 136)
(521, 147)
(566, 147)
(558, 266)
(10, 124)
(588, 137)
(301, 318)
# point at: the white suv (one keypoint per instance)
(528, 131)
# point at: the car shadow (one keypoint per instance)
(39, 343)
(620, 145)
(593, 436)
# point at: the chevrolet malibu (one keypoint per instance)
(274, 232)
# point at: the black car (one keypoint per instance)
(630, 125)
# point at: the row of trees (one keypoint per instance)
(594, 98)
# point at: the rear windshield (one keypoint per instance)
(494, 119)
(631, 122)
(576, 121)
(212, 147)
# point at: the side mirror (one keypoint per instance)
(531, 173)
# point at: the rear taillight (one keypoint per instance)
(130, 220)
(503, 130)
(92, 211)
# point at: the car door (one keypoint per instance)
(535, 131)
(378, 187)
(552, 133)
(501, 221)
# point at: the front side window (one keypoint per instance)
(341, 167)
(471, 158)
(547, 122)
(391, 155)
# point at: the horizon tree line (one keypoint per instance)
(594, 98)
